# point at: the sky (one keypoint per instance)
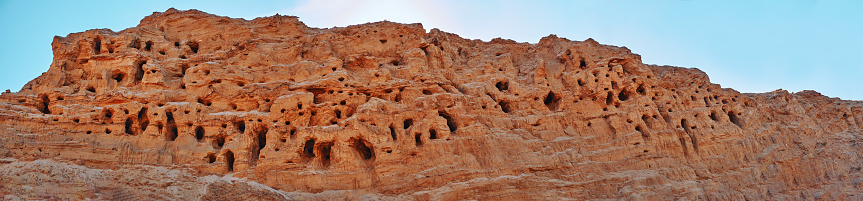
(751, 46)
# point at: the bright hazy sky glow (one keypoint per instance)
(751, 46)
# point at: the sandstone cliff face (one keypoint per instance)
(184, 104)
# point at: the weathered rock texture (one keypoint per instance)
(389, 111)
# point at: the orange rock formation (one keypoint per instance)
(190, 105)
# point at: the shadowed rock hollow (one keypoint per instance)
(190, 105)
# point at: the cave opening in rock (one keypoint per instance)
(118, 76)
(449, 121)
(309, 148)
(504, 106)
(128, 126)
(199, 133)
(211, 158)
(551, 101)
(229, 160)
(502, 86)
(135, 43)
(240, 125)
(363, 148)
(407, 123)
(418, 139)
(325, 149)
(432, 134)
(148, 45)
(218, 142)
(97, 45)
(193, 46)
(582, 64)
(205, 102)
(171, 127)
(393, 133)
(623, 95)
(43, 104)
(139, 70)
(143, 120)
(262, 138)
(641, 89)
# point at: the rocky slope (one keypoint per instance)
(189, 105)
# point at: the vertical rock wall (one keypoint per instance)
(389, 109)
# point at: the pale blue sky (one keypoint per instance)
(751, 46)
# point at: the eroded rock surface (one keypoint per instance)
(390, 111)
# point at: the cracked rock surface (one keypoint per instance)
(189, 105)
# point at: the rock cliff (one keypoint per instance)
(189, 105)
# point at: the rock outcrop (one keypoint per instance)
(189, 105)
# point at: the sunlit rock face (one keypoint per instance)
(189, 105)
